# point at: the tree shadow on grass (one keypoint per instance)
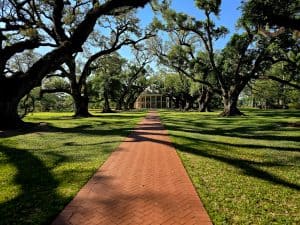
(251, 146)
(74, 144)
(117, 116)
(278, 113)
(38, 201)
(248, 167)
(82, 129)
(247, 132)
(90, 126)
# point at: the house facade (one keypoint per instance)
(151, 100)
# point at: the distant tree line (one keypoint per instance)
(70, 48)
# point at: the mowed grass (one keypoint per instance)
(42, 169)
(247, 169)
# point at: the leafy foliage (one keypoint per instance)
(274, 13)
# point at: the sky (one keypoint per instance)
(228, 18)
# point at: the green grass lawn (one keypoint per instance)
(247, 169)
(42, 169)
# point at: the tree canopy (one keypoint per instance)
(41, 40)
(62, 26)
(274, 13)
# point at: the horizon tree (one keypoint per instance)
(179, 55)
(132, 83)
(122, 31)
(119, 80)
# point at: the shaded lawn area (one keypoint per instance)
(41, 169)
(246, 169)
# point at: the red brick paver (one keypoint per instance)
(143, 182)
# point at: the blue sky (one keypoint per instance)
(228, 18)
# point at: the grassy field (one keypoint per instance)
(246, 170)
(42, 169)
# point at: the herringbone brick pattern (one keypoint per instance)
(142, 183)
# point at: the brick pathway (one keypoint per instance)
(143, 182)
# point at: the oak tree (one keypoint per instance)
(61, 26)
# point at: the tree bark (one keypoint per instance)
(230, 101)
(119, 105)
(182, 102)
(176, 102)
(189, 102)
(131, 101)
(81, 106)
(11, 92)
(131, 98)
(106, 107)
(131, 105)
(204, 101)
(79, 91)
(9, 118)
(188, 106)
(121, 101)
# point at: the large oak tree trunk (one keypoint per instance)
(9, 117)
(176, 102)
(204, 101)
(189, 102)
(131, 105)
(106, 106)
(119, 105)
(120, 102)
(230, 101)
(79, 94)
(132, 97)
(81, 106)
(11, 93)
(188, 106)
(131, 100)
